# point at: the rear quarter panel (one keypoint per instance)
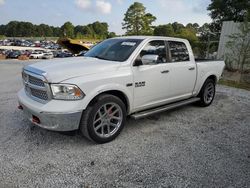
(206, 69)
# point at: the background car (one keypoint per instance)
(36, 55)
(64, 54)
(13, 54)
(82, 53)
(48, 55)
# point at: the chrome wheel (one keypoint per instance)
(209, 93)
(107, 120)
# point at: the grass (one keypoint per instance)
(240, 85)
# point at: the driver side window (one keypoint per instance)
(156, 47)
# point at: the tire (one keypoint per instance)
(207, 93)
(104, 119)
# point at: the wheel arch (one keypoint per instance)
(121, 95)
(212, 77)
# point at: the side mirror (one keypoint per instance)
(149, 59)
(137, 63)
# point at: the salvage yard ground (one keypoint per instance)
(186, 147)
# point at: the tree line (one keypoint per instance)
(96, 30)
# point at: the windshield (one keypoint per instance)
(114, 49)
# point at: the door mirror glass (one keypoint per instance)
(149, 59)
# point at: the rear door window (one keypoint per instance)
(178, 51)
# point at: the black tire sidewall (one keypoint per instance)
(101, 101)
(203, 103)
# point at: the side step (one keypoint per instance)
(149, 112)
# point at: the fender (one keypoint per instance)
(202, 79)
(109, 87)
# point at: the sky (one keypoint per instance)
(82, 12)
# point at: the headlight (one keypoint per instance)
(66, 92)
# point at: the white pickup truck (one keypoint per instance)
(132, 76)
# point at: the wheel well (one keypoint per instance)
(116, 93)
(213, 77)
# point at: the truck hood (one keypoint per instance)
(58, 70)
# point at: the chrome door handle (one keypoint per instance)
(191, 68)
(165, 71)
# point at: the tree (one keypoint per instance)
(67, 30)
(56, 31)
(147, 28)
(239, 45)
(44, 31)
(111, 35)
(11, 29)
(100, 29)
(88, 31)
(194, 26)
(228, 10)
(188, 34)
(2, 29)
(164, 30)
(137, 21)
(177, 27)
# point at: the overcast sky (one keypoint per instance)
(81, 12)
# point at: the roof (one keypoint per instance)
(152, 37)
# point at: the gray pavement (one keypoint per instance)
(186, 147)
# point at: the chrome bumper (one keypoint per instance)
(54, 121)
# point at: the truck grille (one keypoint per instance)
(35, 87)
(39, 94)
(35, 81)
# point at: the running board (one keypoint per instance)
(164, 108)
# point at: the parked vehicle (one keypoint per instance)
(82, 53)
(48, 55)
(27, 53)
(36, 55)
(29, 43)
(136, 76)
(13, 54)
(64, 54)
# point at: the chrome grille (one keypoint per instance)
(39, 94)
(35, 81)
(36, 87)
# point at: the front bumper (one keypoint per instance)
(61, 120)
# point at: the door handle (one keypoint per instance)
(191, 68)
(165, 71)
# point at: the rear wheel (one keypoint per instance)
(103, 120)
(207, 93)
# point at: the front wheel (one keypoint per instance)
(207, 93)
(103, 120)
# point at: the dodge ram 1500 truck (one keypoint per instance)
(132, 76)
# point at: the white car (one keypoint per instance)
(48, 55)
(119, 77)
(36, 55)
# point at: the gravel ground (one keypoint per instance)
(186, 147)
